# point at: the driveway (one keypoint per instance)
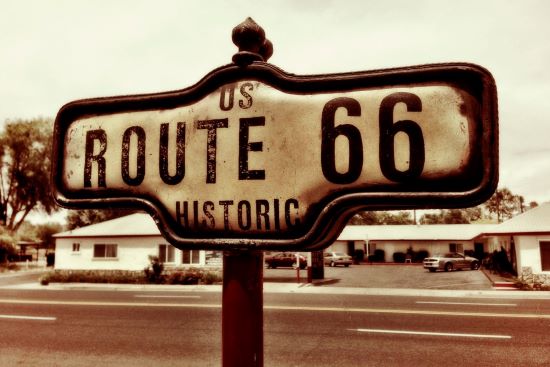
(388, 276)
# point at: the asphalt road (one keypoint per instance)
(388, 276)
(181, 328)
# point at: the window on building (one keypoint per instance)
(214, 258)
(545, 255)
(105, 251)
(190, 257)
(76, 247)
(456, 247)
(166, 253)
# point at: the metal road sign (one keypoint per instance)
(252, 157)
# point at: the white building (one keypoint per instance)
(123, 244)
(528, 235)
(126, 243)
(437, 238)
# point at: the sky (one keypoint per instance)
(53, 52)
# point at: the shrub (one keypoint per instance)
(378, 257)
(193, 276)
(212, 277)
(399, 257)
(420, 255)
(153, 272)
(171, 276)
(93, 276)
(7, 247)
(189, 276)
(358, 256)
(44, 280)
(50, 259)
(13, 266)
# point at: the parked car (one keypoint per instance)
(285, 259)
(450, 261)
(337, 258)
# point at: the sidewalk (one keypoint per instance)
(298, 288)
(284, 282)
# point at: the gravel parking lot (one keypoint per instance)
(388, 276)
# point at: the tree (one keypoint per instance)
(452, 216)
(81, 218)
(7, 247)
(25, 147)
(521, 203)
(503, 203)
(45, 232)
(364, 218)
(401, 217)
(381, 217)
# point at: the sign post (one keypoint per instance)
(242, 309)
(252, 158)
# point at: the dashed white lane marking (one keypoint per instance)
(34, 318)
(412, 312)
(467, 303)
(430, 333)
(164, 296)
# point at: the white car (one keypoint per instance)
(337, 258)
(450, 261)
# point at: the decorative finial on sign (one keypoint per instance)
(249, 37)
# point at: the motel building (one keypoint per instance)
(126, 243)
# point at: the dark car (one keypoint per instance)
(285, 259)
(450, 261)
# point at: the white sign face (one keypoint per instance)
(248, 160)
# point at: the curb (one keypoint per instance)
(289, 288)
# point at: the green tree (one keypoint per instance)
(25, 147)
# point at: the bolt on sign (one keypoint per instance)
(253, 157)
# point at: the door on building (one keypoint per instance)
(478, 251)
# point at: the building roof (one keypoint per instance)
(456, 232)
(138, 224)
(536, 220)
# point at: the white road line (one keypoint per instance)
(281, 308)
(164, 296)
(411, 312)
(467, 303)
(410, 332)
(108, 304)
(451, 285)
(36, 318)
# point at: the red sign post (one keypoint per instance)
(252, 158)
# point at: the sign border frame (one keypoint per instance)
(331, 219)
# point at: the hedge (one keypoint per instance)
(169, 276)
